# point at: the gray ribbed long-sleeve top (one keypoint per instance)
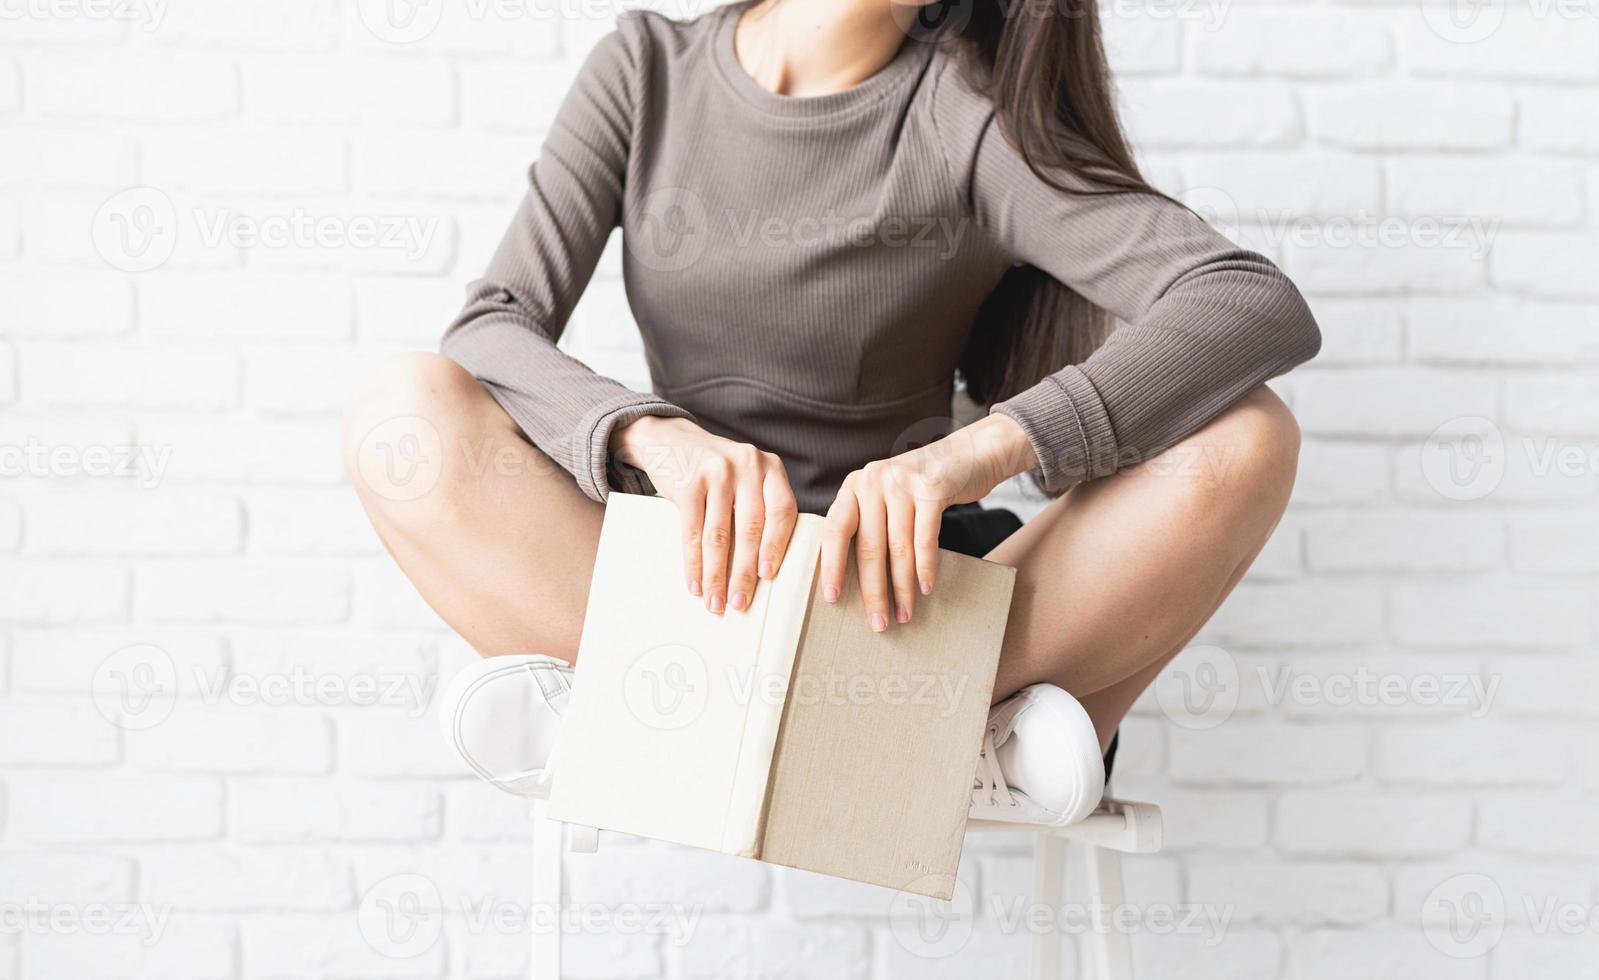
(806, 272)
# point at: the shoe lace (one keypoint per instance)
(989, 784)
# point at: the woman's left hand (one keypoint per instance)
(892, 509)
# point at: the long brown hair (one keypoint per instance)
(1043, 65)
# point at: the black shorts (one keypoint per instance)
(972, 529)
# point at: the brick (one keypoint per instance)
(386, 744)
(1562, 542)
(171, 88)
(1527, 42)
(69, 660)
(256, 307)
(1405, 541)
(309, 521)
(185, 949)
(274, 810)
(453, 165)
(1340, 473)
(1299, 43)
(476, 811)
(1519, 881)
(233, 738)
(1502, 330)
(666, 875)
(1510, 191)
(1140, 45)
(296, 24)
(1358, 331)
(304, 380)
(531, 29)
(1482, 615)
(1390, 401)
(351, 89)
(1298, 893)
(988, 951)
(1556, 403)
(517, 98)
(132, 522)
(1211, 114)
(386, 599)
(1376, 253)
(412, 312)
(1251, 954)
(1536, 953)
(1547, 119)
(1197, 820)
(1394, 115)
(69, 158)
(10, 86)
(210, 449)
(1302, 615)
(137, 377)
(213, 591)
(1548, 686)
(722, 948)
(1268, 753)
(1547, 264)
(30, 305)
(1535, 471)
(62, 592)
(308, 945)
(1557, 827)
(10, 525)
(1362, 824)
(148, 808)
(1452, 756)
(67, 879)
(1330, 954)
(55, 735)
(265, 161)
(214, 878)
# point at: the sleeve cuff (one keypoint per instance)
(1065, 420)
(602, 476)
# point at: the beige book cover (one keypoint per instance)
(789, 732)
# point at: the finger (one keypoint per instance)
(782, 513)
(871, 560)
(748, 520)
(692, 510)
(929, 516)
(717, 543)
(900, 512)
(842, 520)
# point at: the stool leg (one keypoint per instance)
(1049, 891)
(547, 846)
(1112, 953)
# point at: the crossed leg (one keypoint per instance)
(1113, 579)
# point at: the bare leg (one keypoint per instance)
(495, 536)
(1117, 576)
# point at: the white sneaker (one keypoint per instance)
(1040, 762)
(503, 716)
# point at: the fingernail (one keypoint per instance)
(740, 600)
(766, 569)
(879, 624)
(716, 603)
(927, 587)
(830, 593)
(902, 614)
(694, 586)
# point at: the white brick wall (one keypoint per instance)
(1394, 720)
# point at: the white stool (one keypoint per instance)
(1116, 828)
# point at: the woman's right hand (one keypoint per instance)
(737, 507)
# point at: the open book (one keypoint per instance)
(789, 732)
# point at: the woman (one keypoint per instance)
(824, 223)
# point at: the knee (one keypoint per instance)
(399, 425)
(1250, 453)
